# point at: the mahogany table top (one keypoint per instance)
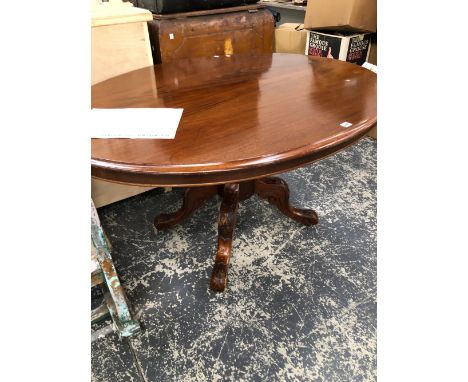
(245, 117)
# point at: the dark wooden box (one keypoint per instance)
(237, 30)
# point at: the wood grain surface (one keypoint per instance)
(242, 32)
(245, 117)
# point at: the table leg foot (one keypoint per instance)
(193, 198)
(276, 191)
(218, 281)
(226, 224)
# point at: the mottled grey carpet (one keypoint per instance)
(300, 303)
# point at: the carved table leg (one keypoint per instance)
(227, 221)
(193, 198)
(276, 191)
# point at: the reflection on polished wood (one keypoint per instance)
(246, 117)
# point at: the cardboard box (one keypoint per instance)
(119, 44)
(290, 38)
(373, 133)
(352, 48)
(119, 39)
(341, 15)
(373, 53)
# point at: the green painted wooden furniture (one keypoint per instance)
(103, 273)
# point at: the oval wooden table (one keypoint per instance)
(245, 119)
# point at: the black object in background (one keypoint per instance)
(276, 15)
(175, 6)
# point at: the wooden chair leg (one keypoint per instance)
(226, 224)
(114, 294)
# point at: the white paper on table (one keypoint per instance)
(138, 123)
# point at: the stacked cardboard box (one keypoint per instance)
(340, 29)
(290, 38)
(373, 51)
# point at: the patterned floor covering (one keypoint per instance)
(300, 303)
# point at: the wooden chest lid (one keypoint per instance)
(240, 8)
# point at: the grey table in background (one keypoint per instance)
(290, 13)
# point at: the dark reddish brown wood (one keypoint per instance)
(276, 191)
(185, 8)
(226, 224)
(193, 199)
(245, 117)
(246, 190)
(208, 33)
(158, 16)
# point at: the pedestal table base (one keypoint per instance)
(274, 189)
